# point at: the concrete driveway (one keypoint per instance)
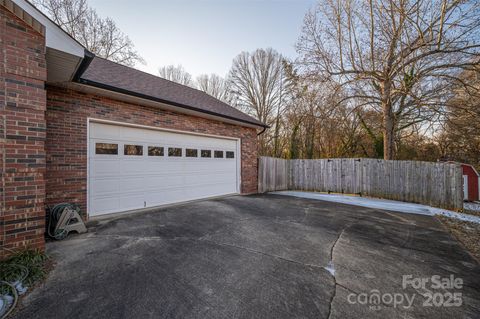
(262, 256)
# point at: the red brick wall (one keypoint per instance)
(22, 134)
(66, 145)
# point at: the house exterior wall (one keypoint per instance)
(66, 145)
(22, 134)
(472, 182)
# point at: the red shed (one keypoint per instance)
(470, 183)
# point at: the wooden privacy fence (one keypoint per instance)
(272, 174)
(434, 184)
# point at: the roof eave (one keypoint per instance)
(158, 100)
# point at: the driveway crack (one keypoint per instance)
(330, 268)
(261, 253)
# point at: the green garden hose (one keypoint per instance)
(54, 216)
(15, 298)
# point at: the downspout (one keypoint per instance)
(264, 128)
(87, 59)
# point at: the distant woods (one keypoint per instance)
(398, 59)
(383, 79)
(392, 79)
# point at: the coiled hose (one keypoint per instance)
(54, 216)
(13, 289)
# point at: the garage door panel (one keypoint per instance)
(122, 191)
(119, 182)
(165, 181)
(133, 184)
(166, 196)
(103, 186)
(172, 195)
(132, 201)
(104, 167)
(207, 179)
(181, 166)
(105, 131)
(105, 205)
(206, 167)
(209, 190)
(128, 180)
(131, 167)
(173, 166)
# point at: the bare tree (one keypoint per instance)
(318, 124)
(460, 138)
(398, 57)
(176, 74)
(257, 85)
(99, 35)
(213, 85)
(66, 13)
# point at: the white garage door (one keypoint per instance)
(131, 168)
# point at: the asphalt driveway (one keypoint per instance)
(262, 256)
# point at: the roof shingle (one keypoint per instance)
(117, 77)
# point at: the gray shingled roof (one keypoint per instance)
(116, 77)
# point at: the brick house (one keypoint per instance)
(80, 129)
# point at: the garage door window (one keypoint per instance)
(106, 148)
(136, 150)
(206, 153)
(155, 151)
(230, 154)
(218, 154)
(191, 152)
(174, 152)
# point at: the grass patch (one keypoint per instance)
(467, 233)
(30, 266)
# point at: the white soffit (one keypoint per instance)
(56, 38)
(61, 66)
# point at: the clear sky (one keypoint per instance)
(205, 35)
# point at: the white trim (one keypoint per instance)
(472, 167)
(102, 121)
(239, 165)
(88, 168)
